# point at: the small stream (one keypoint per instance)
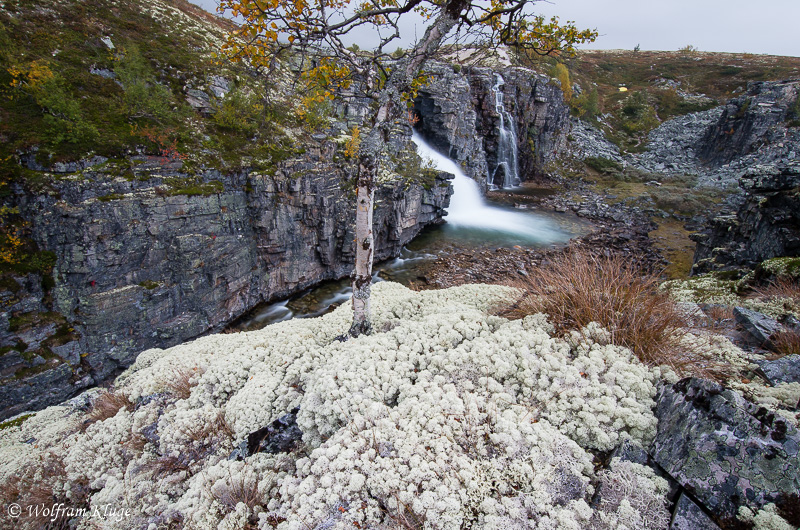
(471, 223)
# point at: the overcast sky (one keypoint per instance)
(765, 26)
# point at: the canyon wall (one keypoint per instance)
(457, 115)
(158, 256)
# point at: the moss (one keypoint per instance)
(7, 283)
(26, 320)
(192, 186)
(784, 267)
(16, 422)
(111, 197)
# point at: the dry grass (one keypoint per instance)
(581, 287)
(106, 405)
(182, 381)
(782, 290)
(34, 486)
(786, 343)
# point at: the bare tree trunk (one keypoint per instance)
(362, 275)
(369, 155)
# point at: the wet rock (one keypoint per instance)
(758, 326)
(725, 451)
(689, 516)
(783, 370)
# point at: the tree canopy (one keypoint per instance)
(314, 32)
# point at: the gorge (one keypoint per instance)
(165, 229)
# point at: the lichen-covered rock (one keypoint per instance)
(689, 516)
(783, 370)
(724, 450)
(758, 326)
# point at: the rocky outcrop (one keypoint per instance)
(718, 145)
(161, 256)
(458, 116)
(723, 450)
(763, 224)
(448, 119)
(753, 122)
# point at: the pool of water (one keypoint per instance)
(471, 223)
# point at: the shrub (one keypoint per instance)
(582, 287)
(602, 165)
(241, 111)
(560, 72)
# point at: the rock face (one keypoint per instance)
(720, 144)
(142, 263)
(751, 123)
(725, 451)
(764, 224)
(458, 116)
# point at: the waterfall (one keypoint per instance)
(469, 210)
(507, 143)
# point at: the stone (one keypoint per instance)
(70, 352)
(783, 370)
(689, 516)
(725, 451)
(758, 326)
(280, 436)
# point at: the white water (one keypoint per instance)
(468, 209)
(507, 143)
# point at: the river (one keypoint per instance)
(471, 222)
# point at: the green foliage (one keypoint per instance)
(670, 104)
(587, 105)
(560, 72)
(638, 116)
(241, 110)
(603, 165)
(143, 95)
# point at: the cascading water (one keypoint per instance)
(468, 209)
(471, 223)
(506, 168)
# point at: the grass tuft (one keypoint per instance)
(106, 405)
(582, 287)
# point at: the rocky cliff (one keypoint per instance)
(458, 115)
(160, 256)
(762, 224)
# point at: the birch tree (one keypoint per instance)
(315, 32)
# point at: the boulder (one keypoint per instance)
(758, 326)
(725, 451)
(783, 370)
(689, 516)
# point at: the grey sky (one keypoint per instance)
(768, 26)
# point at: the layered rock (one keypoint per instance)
(458, 116)
(763, 224)
(718, 145)
(160, 257)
